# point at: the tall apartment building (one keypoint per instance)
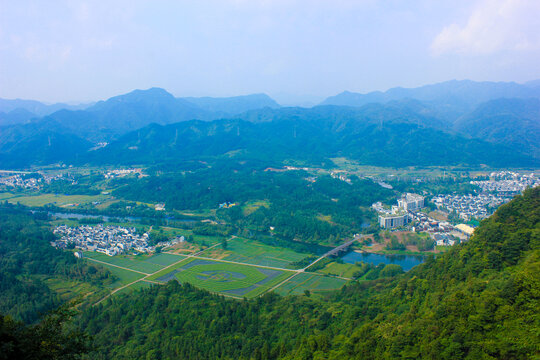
(390, 221)
(411, 202)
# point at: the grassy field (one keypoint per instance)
(58, 200)
(229, 279)
(124, 276)
(310, 281)
(254, 252)
(345, 270)
(133, 287)
(6, 195)
(147, 264)
(69, 289)
(252, 206)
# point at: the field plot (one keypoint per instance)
(124, 276)
(58, 200)
(254, 252)
(6, 195)
(310, 281)
(344, 270)
(141, 263)
(230, 279)
(133, 287)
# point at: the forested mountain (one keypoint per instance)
(454, 96)
(480, 300)
(400, 132)
(39, 143)
(511, 122)
(35, 107)
(17, 116)
(27, 258)
(119, 114)
(312, 135)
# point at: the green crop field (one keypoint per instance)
(310, 281)
(124, 276)
(6, 195)
(229, 279)
(164, 259)
(254, 252)
(143, 263)
(133, 287)
(345, 270)
(58, 200)
(70, 289)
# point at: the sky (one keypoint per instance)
(293, 50)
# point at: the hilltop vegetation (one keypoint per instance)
(28, 260)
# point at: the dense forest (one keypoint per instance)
(295, 204)
(27, 259)
(478, 301)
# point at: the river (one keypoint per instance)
(407, 262)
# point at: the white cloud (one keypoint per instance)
(493, 26)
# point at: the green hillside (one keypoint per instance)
(478, 301)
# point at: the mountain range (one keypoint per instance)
(456, 122)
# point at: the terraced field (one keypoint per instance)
(254, 252)
(310, 281)
(229, 279)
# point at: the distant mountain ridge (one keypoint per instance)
(304, 136)
(396, 132)
(452, 98)
(36, 107)
(511, 122)
(233, 105)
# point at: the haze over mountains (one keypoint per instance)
(455, 122)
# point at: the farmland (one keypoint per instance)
(58, 200)
(254, 252)
(235, 280)
(309, 281)
(247, 268)
(140, 263)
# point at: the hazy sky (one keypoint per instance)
(90, 50)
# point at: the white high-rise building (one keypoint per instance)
(411, 202)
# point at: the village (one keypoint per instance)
(110, 240)
(507, 183)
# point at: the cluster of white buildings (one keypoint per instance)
(508, 183)
(33, 182)
(110, 240)
(340, 176)
(399, 216)
(18, 181)
(470, 206)
(121, 172)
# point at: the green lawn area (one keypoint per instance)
(147, 264)
(254, 252)
(345, 270)
(229, 279)
(310, 281)
(58, 200)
